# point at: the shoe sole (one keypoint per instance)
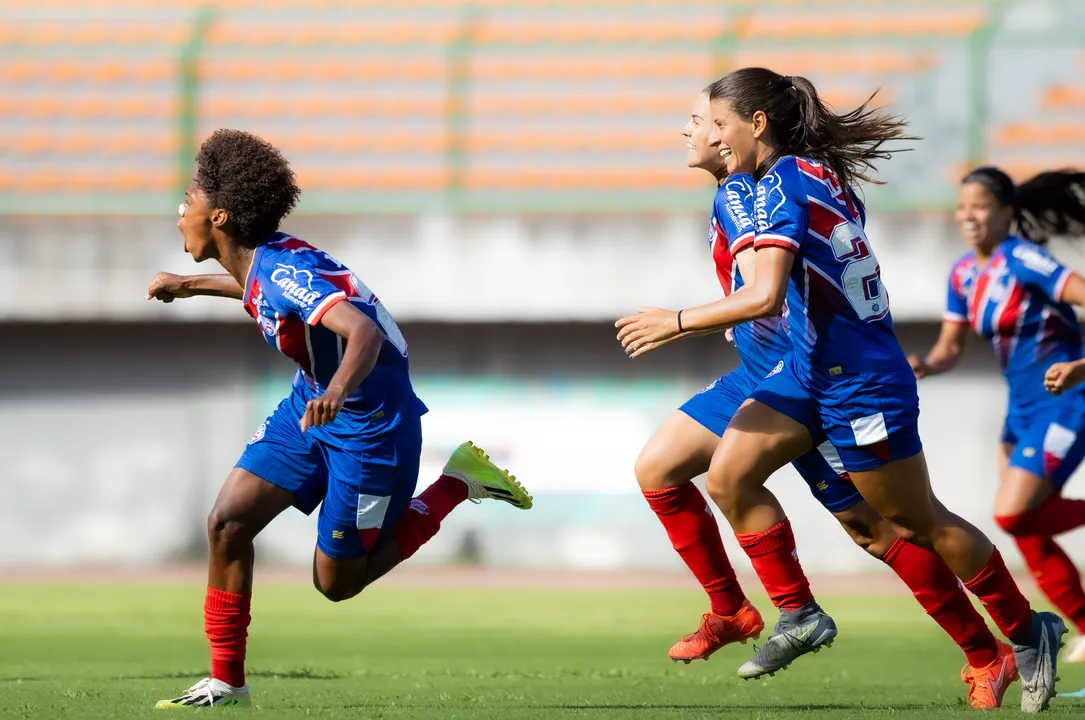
(515, 494)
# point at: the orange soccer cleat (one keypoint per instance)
(715, 631)
(988, 684)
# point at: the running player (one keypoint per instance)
(349, 435)
(846, 376)
(682, 448)
(1013, 293)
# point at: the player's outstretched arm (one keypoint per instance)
(945, 353)
(363, 340)
(653, 328)
(168, 287)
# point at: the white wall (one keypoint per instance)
(95, 473)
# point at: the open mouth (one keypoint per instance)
(725, 153)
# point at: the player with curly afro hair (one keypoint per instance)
(348, 437)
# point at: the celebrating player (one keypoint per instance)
(846, 376)
(349, 435)
(1012, 292)
(683, 446)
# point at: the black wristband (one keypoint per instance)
(680, 328)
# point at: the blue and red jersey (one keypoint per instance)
(1016, 303)
(837, 310)
(290, 286)
(761, 343)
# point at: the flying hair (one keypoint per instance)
(801, 124)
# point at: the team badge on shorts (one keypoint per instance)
(775, 370)
(259, 434)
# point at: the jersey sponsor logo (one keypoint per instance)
(769, 185)
(736, 192)
(1035, 260)
(296, 284)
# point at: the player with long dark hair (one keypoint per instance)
(682, 448)
(347, 438)
(1011, 291)
(847, 376)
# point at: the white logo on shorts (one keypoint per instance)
(775, 370)
(259, 434)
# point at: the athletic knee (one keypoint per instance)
(733, 493)
(655, 471)
(869, 531)
(335, 589)
(226, 528)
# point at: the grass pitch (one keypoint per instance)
(99, 651)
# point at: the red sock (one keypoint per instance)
(1056, 516)
(1056, 575)
(696, 537)
(1002, 599)
(226, 622)
(776, 562)
(939, 592)
(422, 518)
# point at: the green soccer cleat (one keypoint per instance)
(484, 479)
(208, 693)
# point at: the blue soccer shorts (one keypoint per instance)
(364, 484)
(870, 421)
(1048, 441)
(821, 468)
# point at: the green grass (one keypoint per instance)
(94, 651)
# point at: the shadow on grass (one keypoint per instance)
(299, 674)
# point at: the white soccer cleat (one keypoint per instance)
(208, 693)
(1075, 650)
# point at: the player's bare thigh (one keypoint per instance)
(758, 442)
(1018, 490)
(678, 451)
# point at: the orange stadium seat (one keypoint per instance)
(594, 28)
(819, 61)
(581, 65)
(1039, 135)
(416, 179)
(895, 22)
(351, 31)
(339, 143)
(1063, 97)
(648, 178)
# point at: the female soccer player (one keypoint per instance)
(683, 446)
(846, 376)
(1010, 291)
(349, 435)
